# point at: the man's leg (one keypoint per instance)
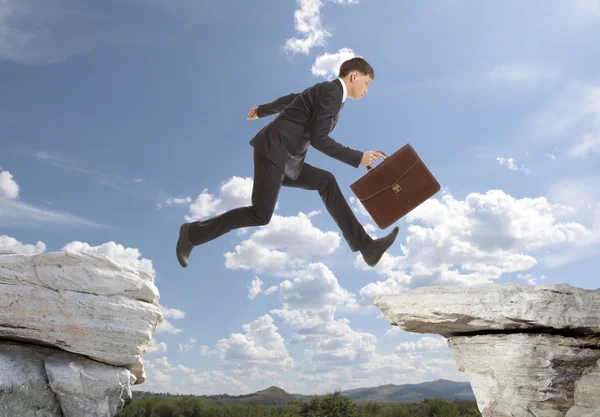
(265, 190)
(312, 178)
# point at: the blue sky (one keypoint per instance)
(119, 120)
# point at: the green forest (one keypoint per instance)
(330, 405)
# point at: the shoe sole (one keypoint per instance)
(182, 238)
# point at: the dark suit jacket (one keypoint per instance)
(305, 119)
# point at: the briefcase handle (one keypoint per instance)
(385, 156)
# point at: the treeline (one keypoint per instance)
(330, 405)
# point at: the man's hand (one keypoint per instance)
(252, 114)
(370, 157)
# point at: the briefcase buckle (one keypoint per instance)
(396, 188)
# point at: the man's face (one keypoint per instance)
(359, 85)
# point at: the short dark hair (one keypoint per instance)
(356, 64)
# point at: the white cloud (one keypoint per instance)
(358, 207)
(156, 347)
(172, 313)
(11, 245)
(524, 73)
(392, 331)
(423, 344)
(166, 326)
(188, 346)
(551, 156)
(584, 195)
(116, 252)
(233, 193)
(261, 346)
(271, 290)
(473, 241)
(210, 383)
(174, 201)
(162, 376)
(254, 288)
(572, 116)
(512, 165)
(8, 187)
(264, 250)
(159, 374)
(314, 288)
(308, 24)
(205, 351)
(328, 65)
(531, 280)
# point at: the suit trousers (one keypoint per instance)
(268, 179)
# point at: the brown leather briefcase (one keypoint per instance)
(396, 186)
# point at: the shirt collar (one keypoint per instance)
(344, 88)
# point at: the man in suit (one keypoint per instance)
(304, 119)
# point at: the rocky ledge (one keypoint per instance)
(528, 351)
(73, 330)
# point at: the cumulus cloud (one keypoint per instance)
(156, 347)
(188, 346)
(162, 376)
(473, 241)
(233, 193)
(166, 326)
(314, 288)
(307, 20)
(284, 242)
(254, 288)
(8, 187)
(584, 195)
(260, 346)
(426, 343)
(328, 65)
(116, 252)
(172, 313)
(11, 245)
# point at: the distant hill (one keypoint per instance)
(390, 393)
(269, 396)
(384, 394)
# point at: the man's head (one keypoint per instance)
(357, 74)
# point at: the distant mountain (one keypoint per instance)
(390, 393)
(269, 396)
(384, 394)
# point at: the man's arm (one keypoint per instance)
(275, 106)
(327, 104)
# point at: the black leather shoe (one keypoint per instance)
(184, 246)
(375, 250)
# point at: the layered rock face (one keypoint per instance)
(528, 351)
(73, 330)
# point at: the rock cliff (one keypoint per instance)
(528, 351)
(73, 330)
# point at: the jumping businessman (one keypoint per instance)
(280, 147)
